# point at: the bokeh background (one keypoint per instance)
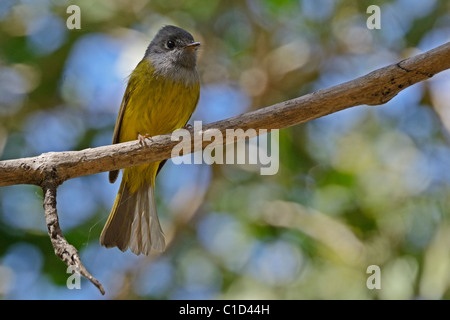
(365, 186)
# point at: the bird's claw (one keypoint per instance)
(142, 138)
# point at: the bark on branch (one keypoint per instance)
(51, 169)
(375, 88)
(64, 250)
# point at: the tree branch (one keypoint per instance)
(65, 251)
(49, 170)
(375, 88)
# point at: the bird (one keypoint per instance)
(161, 94)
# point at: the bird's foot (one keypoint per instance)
(142, 138)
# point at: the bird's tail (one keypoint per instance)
(133, 222)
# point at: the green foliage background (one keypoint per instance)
(365, 186)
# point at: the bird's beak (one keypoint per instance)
(192, 46)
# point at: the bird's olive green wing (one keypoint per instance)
(114, 174)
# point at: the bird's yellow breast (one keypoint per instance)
(156, 105)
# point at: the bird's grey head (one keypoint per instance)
(172, 50)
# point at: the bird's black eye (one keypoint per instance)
(170, 44)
